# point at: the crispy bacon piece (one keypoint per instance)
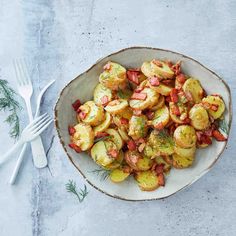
(75, 147)
(167, 82)
(168, 99)
(174, 95)
(203, 138)
(214, 107)
(175, 110)
(137, 112)
(141, 147)
(159, 168)
(138, 89)
(161, 179)
(159, 126)
(127, 169)
(154, 81)
(181, 78)
(140, 140)
(82, 115)
(113, 153)
(107, 66)
(139, 96)
(124, 121)
(157, 62)
(169, 63)
(101, 134)
(71, 130)
(133, 76)
(149, 114)
(218, 135)
(176, 68)
(135, 69)
(104, 100)
(131, 145)
(189, 96)
(76, 105)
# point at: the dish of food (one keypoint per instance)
(163, 121)
(144, 121)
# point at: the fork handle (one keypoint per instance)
(39, 156)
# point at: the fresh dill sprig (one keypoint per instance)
(103, 173)
(71, 188)
(224, 126)
(9, 103)
(163, 134)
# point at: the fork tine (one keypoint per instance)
(36, 129)
(22, 71)
(21, 75)
(43, 127)
(26, 71)
(36, 121)
(17, 72)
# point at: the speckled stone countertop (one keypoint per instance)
(63, 38)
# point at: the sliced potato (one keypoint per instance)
(160, 160)
(138, 127)
(184, 110)
(123, 134)
(185, 136)
(160, 103)
(117, 162)
(161, 117)
(185, 152)
(147, 180)
(118, 175)
(151, 99)
(180, 162)
(147, 70)
(114, 76)
(94, 114)
(115, 138)
(162, 69)
(104, 125)
(199, 117)
(83, 137)
(99, 152)
(193, 87)
(162, 89)
(124, 94)
(216, 102)
(99, 92)
(116, 106)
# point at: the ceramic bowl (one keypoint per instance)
(82, 88)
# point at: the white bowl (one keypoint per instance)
(82, 88)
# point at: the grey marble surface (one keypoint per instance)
(63, 38)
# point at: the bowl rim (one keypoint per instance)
(151, 48)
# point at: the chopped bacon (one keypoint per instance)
(138, 89)
(183, 116)
(76, 105)
(133, 76)
(167, 81)
(168, 99)
(71, 130)
(169, 63)
(214, 107)
(186, 120)
(203, 138)
(181, 78)
(159, 126)
(124, 121)
(75, 147)
(204, 93)
(127, 169)
(154, 81)
(176, 68)
(137, 112)
(174, 95)
(82, 115)
(189, 96)
(161, 179)
(149, 114)
(218, 135)
(158, 63)
(101, 134)
(131, 145)
(113, 153)
(107, 66)
(199, 135)
(141, 147)
(140, 140)
(139, 96)
(175, 110)
(135, 69)
(104, 100)
(208, 132)
(172, 129)
(159, 168)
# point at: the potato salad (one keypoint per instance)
(144, 121)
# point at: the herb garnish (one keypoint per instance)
(9, 102)
(103, 173)
(224, 126)
(71, 188)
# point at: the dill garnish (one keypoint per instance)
(163, 134)
(9, 103)
(71, 188)
(103, 173)
(224, 126)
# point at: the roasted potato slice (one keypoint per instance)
(147, 70)
(118, 175)
(123, 134)
(100, 152)
(185, 136)
(185, 152)
(160, 103)
(181, 162)
(104, 125)
(161, 117)
(149, 101)
(102, 95)
(162, 69)
(116, 106)
(114, 76)
(94, 115)
(160, 160)
(179, 119)
(83, 137)
(115, 138)
(194, 89)
(215, 105)
(117, 162)
(138, 127)
(199, 117)
(147, 180)
(161, 89)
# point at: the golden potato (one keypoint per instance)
(183, 112)
(161, 117)
(104, 125)
(147, 70)
(116, 106)
(94, 115)
(161, 89)
(215, 105)
(149, 101)
(118, 175)
(162, 69)
(115, 138)
(193, 89)
(160, 103)
(185, 152)
(185, 136)
(102, 95)
(181, 162)
(83, 136)
(117, 162)
(114, 76)
(147, 180)
(123, 134)
(199, 117)
(138, 127)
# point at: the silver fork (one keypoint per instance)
(25, 89)
(31, 131)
